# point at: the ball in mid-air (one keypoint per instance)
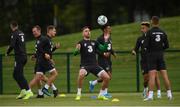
(102, 20)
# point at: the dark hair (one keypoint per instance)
(155, 20)
(50, 27)
(104, 26)
(145, 24)
(14, 24)
(85, 27)
(37, 27)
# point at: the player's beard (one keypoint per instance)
(87, 37)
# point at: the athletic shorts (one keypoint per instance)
(106, 67)
(156, 61)
(44, 66)
(94, 69)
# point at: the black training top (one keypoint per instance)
(43, 45)
(17, 43)
(101, 58)
(88, 52)
(156, 40)
(140, 45)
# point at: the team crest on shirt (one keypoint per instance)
(92, 43)
(85, 44)
(142, 41)
(107, 68)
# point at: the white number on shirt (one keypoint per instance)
(22, 38)
(90, 49)
(109, 47)
(158, 38)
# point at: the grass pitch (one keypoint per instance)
(125, 99)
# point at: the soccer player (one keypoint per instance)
(156, 42)
(144, 66)
(44, 79)
(87, 49)
(37, 31)
(44, 62)
(104, 58)
(18, 44)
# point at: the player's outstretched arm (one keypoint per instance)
(77, 50)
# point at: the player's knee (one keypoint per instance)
(38, 77)
(82, 73)
(110, 76)
(106, 77)
(55, 73)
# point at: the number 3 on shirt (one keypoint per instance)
(90, 49)
(109, 47)
(158, 38)
(22, 38)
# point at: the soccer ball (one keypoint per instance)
(102, 20)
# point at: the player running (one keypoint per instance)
(144, 66)
(18, 44)
(156, 42)
(36, 80)
(87, 49)
(44, 61)
(104, 58)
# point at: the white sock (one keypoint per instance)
(29, 90)
(106, 91)
(101, 92)
(53, 87)
(40, 92)
(150, 94)
(79, 91)
(46, 86)
(145, 89)
(158, 91)
(169, 94)
(94, 82)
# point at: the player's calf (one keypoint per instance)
(105, 77)
(53, 75)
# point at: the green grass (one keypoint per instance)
(124, 67)
(125, 99)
